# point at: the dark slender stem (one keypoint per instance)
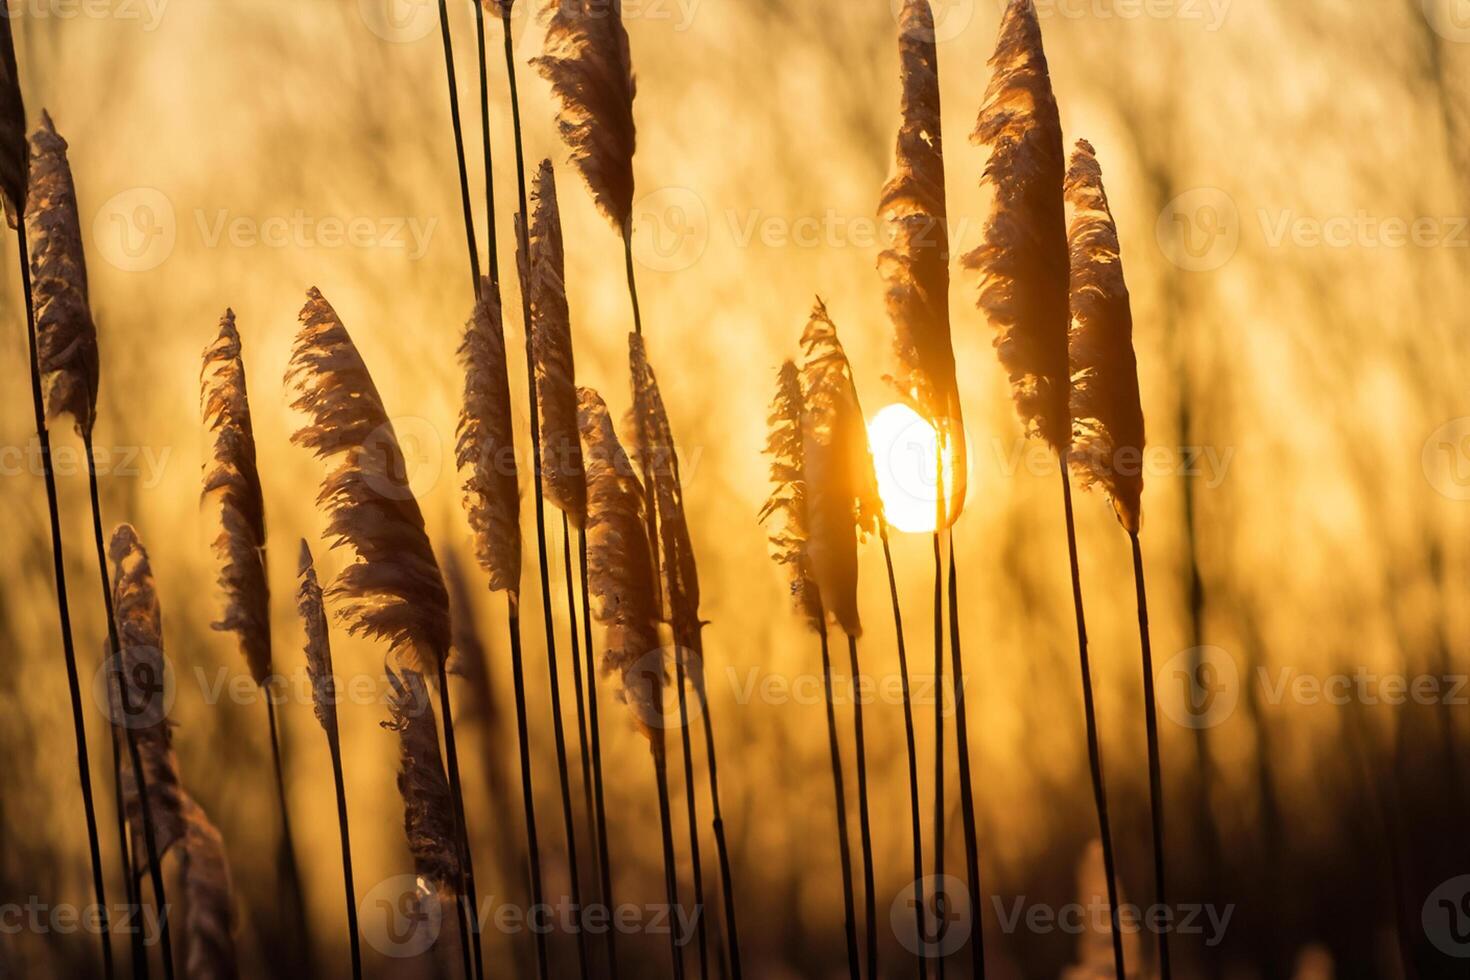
(549, 621)
(718, 825)
(63, 609)
(941, 913)
(671, 878)
(528, 796)
(334, 745)
(566, 538)
(469, 900)
(140, 777)
(679, 677)
(1094, 749)
(967, 792)
(1155, 768)
(915, 809)
(493, 252)
(464, 175)
(286, 865)
(865, 831)
(604, 862)
(632, 280)
(849, 904)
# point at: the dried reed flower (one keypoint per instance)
(620, 568)
(587, 62)
(565, 481)
(209, 923)
(394, 591)
(428, 807)
(1107, 413)
(485, 446)
(13, 151)
(66, 338)
(1023, 263)
(318, 642)
(915, 268)
(231, 475)
(789, 496)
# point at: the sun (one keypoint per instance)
(905, 447)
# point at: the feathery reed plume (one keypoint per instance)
(789, 539)
(915, 268)
(428, 809)
(64, 330)
(842, 501)
(394, 591)
(1023, 262)
(622, 578)
(1107, 426)
(210, 921)
(1024, 290)
(587, 62)
(324, 704)
(60, 377)
(485, 446)
(679, 578)
(556, 390)
(230, 474)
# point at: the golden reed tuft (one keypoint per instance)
(1107, 411)
(66, 337)
(1023, 263)
(313, 614)
(788, 501)
(428, 808)
(209, 920)
(394, 591)
(232, 477)
(587, 62)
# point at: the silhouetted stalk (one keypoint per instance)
(550, 625)
(1155, 768)
(604, 862)
(693, 816)
(666, 823)
(718, 824)
(528, 797)
(915, 809)
(130, 883)
(566, 537)
(468, 899)
(63, 610)
(155, 868)
(492, 251)
(632, 280)
(870, 901)
(940, 912)
(849, 905)
(464, 176)
(967, 792)
(1094, 749)
(334, 746)
(286, 865)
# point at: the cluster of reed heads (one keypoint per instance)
(1051, 284)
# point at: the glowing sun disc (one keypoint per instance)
(904, 448)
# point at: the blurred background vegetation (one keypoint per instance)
(1322, 533)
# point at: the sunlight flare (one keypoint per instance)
(905, 446)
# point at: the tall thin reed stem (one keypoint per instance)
(865, 831)
(492, 251)
(566, 538)
(632, 280)
(854, 965)
(915, 810)
(334, 746)
(464, 174)
(671, 877)
(286, 865)
(155, 866)
(1155, 768)
(693, 816)
(1094, 749)
(468, 899)
(941, 913)
(718, 824)
(63, 610)
(550, 625)
(528, 796)
(967, 792)
(604, 862)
